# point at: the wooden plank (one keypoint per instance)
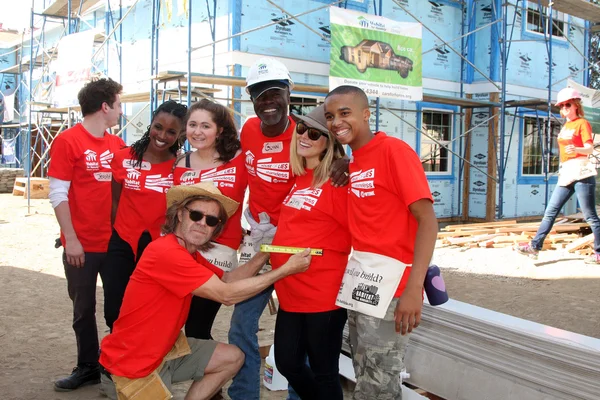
(492, 169)
(580, 243)
(465, 233)
(467, 168)
(473, 239)
(512, 239)
(480, 224)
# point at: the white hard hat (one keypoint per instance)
(567, 94)
(267, 69)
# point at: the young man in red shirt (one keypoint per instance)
(390, 213)
(147, 348)
(80, 192)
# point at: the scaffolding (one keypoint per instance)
(187, 85)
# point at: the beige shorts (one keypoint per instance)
(186, 368)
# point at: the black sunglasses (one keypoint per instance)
(197, 216)
(313, 134)
(565, 105)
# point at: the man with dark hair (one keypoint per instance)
(390, 216)
(80, 193)
(147, 351)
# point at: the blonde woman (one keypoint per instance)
(577, 175)
(314, 214)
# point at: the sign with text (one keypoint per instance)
(381, 56)
(73, 67)
(591, 104)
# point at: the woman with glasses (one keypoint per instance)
(314, 214)
(142, 174)
(577, 175)
(211, 131)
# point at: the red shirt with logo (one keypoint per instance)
(85, 161)
(386, 177)
(315, 218)
(231, 179)
(269, 170)
(576, 132)
(143, 203)
(155, 307)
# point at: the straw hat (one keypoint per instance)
(179, 193)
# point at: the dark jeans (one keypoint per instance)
(81, 284)
(201, 318)
(318, 335)
(585, 190)
(119, 265)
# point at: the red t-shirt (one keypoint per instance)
(155, 308)
(232, 180)
(85, 161)
(143, 203)
(576, 132)
(316, 218)
(269, 170)
(386, 177)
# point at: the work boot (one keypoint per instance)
(85, 374)
(593, 259)
(527, 250)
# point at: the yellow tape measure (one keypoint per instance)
(268, 248)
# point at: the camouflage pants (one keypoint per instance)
(377, 354)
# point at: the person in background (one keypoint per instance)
(147, 351)
(390, 214)
(577, 175)
(217, 158)
(315, 215)
(142, 174)
(80, 193)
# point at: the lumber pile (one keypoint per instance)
(568, 233)
(7, 178)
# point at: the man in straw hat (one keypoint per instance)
(147, 351)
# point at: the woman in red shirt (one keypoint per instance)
(142, 174)
(211, 131)
(314, 214)
(577, 175)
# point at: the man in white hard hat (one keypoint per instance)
(147, 351)
(266, 144)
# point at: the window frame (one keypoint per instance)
(523, 178)
(450, 111)
(560, 17)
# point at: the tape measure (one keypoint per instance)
(268, 248)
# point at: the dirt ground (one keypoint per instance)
(38, 345)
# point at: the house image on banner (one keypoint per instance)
(376, 54)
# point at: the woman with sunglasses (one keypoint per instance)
(211, 131)
(314, 214)
(577, 175)
(142, 174)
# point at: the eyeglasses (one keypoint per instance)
(313, 134)
(197, 216)
(565, 105)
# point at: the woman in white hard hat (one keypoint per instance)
(315, 215)
(576, 174)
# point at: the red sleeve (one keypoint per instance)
(340, 205)
(63, 159)
(585, 131)
(204, 262)
(408, 175)
(177, 271)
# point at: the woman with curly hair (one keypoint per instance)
(142, 174)
(211, 131)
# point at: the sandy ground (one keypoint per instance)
(38, 345)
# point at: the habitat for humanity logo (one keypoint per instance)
(367, 23)
(262, 69)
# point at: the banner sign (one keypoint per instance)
(8, 151)
(381, 56)
(73, 67)
(590, 100)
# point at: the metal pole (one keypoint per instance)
(31, 64)
(152, 37)
(377, 101)
(69, 29)
(549, 122)
(503, 55)
(189, 55)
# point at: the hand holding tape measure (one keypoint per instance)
(269, 248)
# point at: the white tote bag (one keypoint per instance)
(222, 256)
(370, 282)
(574, 170)
(247, 252)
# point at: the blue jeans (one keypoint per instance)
(585, 190)
(242, 333)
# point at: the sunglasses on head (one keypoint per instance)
(197, 216)
(565, 105)
(313, 134)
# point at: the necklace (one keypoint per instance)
(287, 125)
